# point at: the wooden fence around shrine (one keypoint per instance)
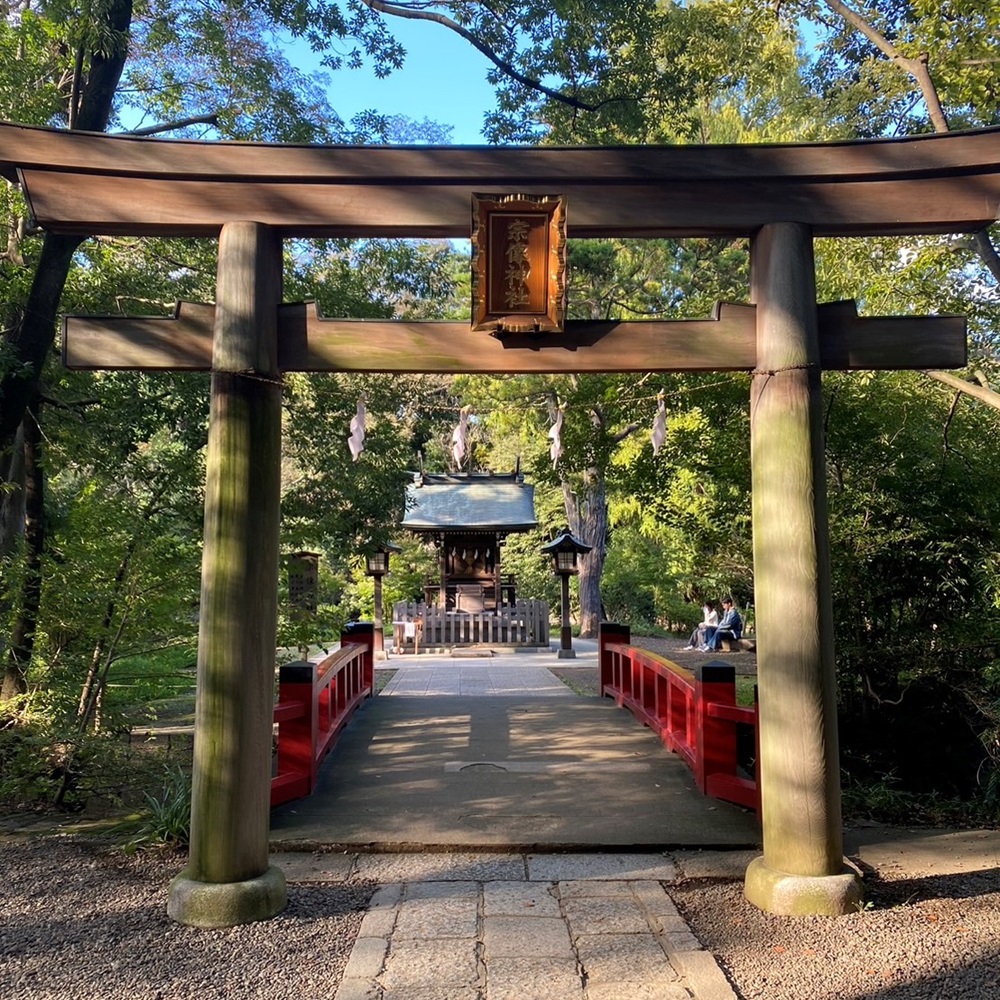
(315, 702)
(694, 712)
(418, 626)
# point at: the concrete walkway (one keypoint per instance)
(458, 755)
(500, 676)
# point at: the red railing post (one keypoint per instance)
(756, 749)
(714, 738)
(362, 633)
(297, 736)
(609, 632)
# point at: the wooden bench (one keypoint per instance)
(739, 645)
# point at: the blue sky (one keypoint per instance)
(443, 78)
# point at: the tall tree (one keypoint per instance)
(179, 66)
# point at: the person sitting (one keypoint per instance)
(709, 619)
(729, 627)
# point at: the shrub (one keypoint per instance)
(167, 821)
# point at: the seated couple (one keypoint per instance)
(708, 636)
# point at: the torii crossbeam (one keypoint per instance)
(252, 196)
(308, 342)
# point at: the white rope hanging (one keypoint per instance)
(659, 432)
(555, 435)
(356, 442)
(460, 437)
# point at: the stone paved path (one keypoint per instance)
(521, 927)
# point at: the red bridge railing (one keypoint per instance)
(694, 712)
(315, 701)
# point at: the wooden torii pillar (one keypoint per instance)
(228, 879)
(802, 869)
(778, 195)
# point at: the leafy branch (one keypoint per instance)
(504, 65)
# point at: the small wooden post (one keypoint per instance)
(609, 632)
(228, 879)
(297, 737)
(566, 651)
(379, 626)
(714, 739)
(362, 634)
(802, 870)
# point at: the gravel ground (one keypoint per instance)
(918, 939)
(80, 922)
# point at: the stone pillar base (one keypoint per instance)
(566, 654)
(801, 895)
(226, 904)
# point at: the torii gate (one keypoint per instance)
(252, 196)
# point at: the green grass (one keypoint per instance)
(158, 685)
(382, 677)
(745, 690)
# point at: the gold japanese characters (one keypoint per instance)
(518, 263)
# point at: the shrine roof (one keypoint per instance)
(470, 502)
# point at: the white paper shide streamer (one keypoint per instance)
(659, 432)
(555, 436)
(356, 442)
(460, 438)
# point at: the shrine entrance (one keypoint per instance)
(251, 197)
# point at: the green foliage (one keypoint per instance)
(33, 62)
(522, 556)
(374, 279)
(124, 509)
(153, 684)
(167, 819)
(915, 560)
(871, 96)
(45, 763)
(631, 72)
(882, 801)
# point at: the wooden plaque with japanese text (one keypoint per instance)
(518, 263)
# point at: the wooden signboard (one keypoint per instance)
(518, 263)
(303, 581)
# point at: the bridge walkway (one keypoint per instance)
(495, 752)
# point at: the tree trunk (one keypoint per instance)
(589, 522)
(31, 339)
(11, 524)
(22, 640)
(94, 684)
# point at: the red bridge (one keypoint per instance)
(694, 713)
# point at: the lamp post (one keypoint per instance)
(377, 566)
(565, 549)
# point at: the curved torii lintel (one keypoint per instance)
(94, 183)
